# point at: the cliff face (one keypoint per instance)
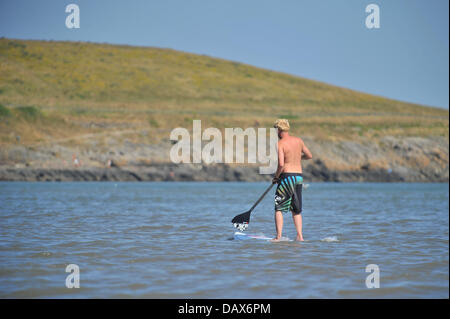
(408, 159)
(389, 160)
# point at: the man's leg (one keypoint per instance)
(297, 210)
(298, 225)
(278, 224)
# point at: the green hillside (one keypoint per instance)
(61, 90)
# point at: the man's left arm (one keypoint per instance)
(280, 163)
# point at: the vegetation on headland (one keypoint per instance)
(51, 90)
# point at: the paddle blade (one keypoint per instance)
(241, 221)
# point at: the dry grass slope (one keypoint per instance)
(61, 90)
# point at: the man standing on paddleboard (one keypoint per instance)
(288, 196)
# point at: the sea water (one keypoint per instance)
(175, 240)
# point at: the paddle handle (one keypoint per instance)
(262, 196)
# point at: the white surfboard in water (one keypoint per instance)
(245, 236)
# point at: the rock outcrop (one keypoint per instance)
(387, 160)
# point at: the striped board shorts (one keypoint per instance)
(288, 195)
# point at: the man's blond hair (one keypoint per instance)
(282, 124)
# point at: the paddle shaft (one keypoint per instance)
(262, 196)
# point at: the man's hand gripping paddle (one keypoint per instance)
(241, 221)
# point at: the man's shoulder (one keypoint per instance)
(288, 142)
(298, 139)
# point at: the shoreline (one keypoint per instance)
(391, 159)
(315, 172)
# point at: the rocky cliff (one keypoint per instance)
(389, 160)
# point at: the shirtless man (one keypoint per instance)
(288, 196)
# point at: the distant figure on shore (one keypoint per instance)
(108, 163)
(75, 160)
(289, 176)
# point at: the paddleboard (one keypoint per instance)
(244, 236)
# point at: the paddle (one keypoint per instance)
(241, 221)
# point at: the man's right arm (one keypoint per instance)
(306, 154)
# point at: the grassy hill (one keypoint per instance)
(66, 91)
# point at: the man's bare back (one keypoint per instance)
(291, 150)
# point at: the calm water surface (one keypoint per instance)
(174, 240)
